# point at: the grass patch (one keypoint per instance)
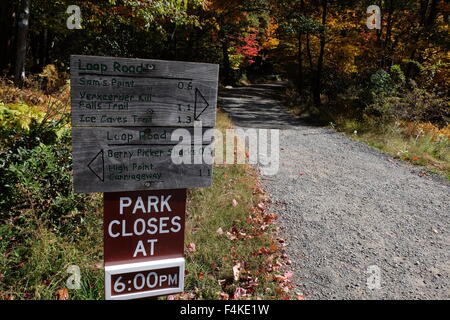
(34, 261)
(410, 142)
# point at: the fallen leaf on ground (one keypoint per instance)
(279, 278)
(62, 294)
(258, 190)
(237, 271)
(191, 247)
(27, 295)
(224, 296)
(239, 293)
(231, 236)
(219, 231)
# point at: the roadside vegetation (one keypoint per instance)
(388, 87)
(386, 112)
(45, 227)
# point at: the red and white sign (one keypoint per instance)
(144, 279)
(144, 243)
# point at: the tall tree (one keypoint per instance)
(22, 34)
(317, 89)
(232, 19)
(7, 25)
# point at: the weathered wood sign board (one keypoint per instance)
(144, 243)
(124, 112)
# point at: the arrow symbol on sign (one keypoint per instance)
(200, 103)
(98, 164)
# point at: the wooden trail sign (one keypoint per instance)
(126, 117)
(144, 243)
(124, 112)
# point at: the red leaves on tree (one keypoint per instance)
(250, 48)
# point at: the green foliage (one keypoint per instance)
(390, 99)
(154, 12)
(52, 80)
(45, 226)
(40, 179)
(381, 83)
(299, 23)
(19, 116)
(397, 75)
(384, 96)
(421, 105)
(25, 126)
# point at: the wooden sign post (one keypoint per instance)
(124, 112)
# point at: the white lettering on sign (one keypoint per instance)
(144, 279)
(111, 234)
(140, 226)
(154, 204)
(124, 204)
(140, 248)
(151, 226)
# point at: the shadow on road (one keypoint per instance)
(258, 106)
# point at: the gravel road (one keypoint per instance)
(348, 212)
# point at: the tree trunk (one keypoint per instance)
(428, 14)
(44, 48)
(226, 62)
(432, 15)
(22, 33)
(387, 40)
(301, 76)
(7, 25)
(300, 80)
(4, 23)
(308, 51)
(318, 82)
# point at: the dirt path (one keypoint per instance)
(347, 209)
